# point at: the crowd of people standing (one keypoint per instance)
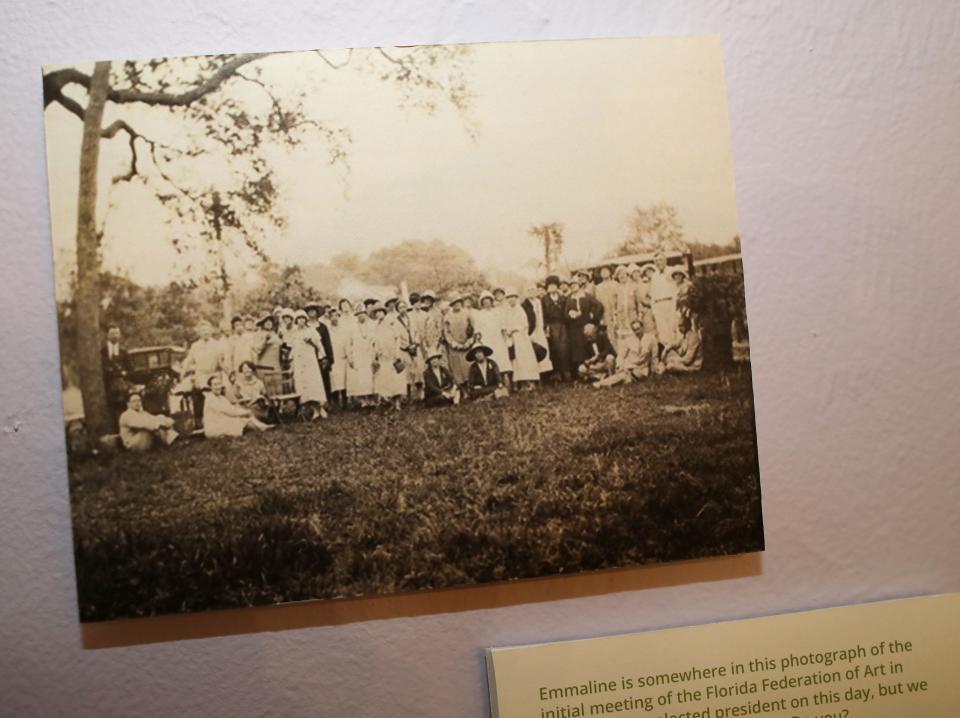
(618, 324)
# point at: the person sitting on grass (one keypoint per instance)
(140, 430)
(633, 361)
(686, 353)
(439, 387)
(250, 392)
(601, 360)
(221, 417)
(485, 380)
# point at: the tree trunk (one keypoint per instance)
(97, 414)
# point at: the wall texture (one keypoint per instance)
(847, 154)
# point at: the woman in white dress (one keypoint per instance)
(305, 350)
(389, 367)
(516, 324)
(221, 417)
(360, 358)
(338, 344)
(488, 330)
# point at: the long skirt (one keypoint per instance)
(307, 379)
(338, 374)
(388, 382)
(360, 378)
(559, 348)
(525, 365)
(459, 366)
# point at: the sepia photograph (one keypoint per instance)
(340, 323)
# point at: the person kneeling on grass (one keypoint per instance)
(686, 353)
(250, 392)
(221, 417)
(439, 388)
(601, 360)
(634, 360)
(485, 380)
(140, 430)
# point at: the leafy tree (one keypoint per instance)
(656, 227)
(197, 91)
(278, 285)
(435, 265)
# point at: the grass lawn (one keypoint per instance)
(556, 481)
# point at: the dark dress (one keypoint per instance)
(325, 364)
(480, 386)
(433, 389)
(590, 313)
(555, 322)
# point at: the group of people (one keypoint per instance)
(627, 323)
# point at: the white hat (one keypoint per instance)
(485, 295)
(678, 270)
(428, 294)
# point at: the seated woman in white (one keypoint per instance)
(686, 353)
(249, 391)
(140, 430)
(221, 417)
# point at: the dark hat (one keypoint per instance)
(368, 301)
(263, 320)
(482, 348)
(391, 300)
(313, 305)
(414, 297)
(552, 279)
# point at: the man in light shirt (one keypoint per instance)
(140, 430)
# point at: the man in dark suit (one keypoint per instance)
(438, 385)
(113, 363)
(601, 359)
(315, 311)
(555, 324)
(485, 381)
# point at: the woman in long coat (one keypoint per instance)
(360, 357)
(517, 326)
(488, 330)
(305, 348)
(389, 366)
(458, 336)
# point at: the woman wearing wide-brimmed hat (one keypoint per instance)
(389, 366)
(485, 380)
(518, 327)
(458, 336)
(555, 321)
(438, 384)
(360, 358)
(488, 330)
(305, 351)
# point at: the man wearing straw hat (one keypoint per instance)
(663, 298)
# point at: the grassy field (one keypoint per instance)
(556, 481)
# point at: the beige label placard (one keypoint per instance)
(893, 659)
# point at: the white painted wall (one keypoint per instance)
(845, 123)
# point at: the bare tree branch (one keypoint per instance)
(227, 70)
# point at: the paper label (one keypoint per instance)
(890, 659)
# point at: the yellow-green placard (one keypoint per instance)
(893, 659)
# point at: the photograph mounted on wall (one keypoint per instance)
(358, 322)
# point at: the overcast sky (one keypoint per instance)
(574, 132)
